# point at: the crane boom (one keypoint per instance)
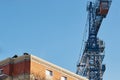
(90, 64)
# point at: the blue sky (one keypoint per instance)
(53, 30)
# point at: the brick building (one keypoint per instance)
(29, 67)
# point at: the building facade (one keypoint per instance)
(29, 67)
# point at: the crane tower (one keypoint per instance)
(90, 63)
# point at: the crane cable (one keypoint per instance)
(84, 39)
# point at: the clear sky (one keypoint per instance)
(53, 30)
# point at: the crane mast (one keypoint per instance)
(90, 64)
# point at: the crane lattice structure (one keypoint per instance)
(90, 63)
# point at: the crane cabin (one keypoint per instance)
(104, 7)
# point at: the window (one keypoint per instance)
(49, 73)
(63, 78)
(104, 5)
(1, 71)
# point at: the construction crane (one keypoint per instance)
(90, 63)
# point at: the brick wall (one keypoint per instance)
(29, 67)
(22, 67)
(38, 70)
